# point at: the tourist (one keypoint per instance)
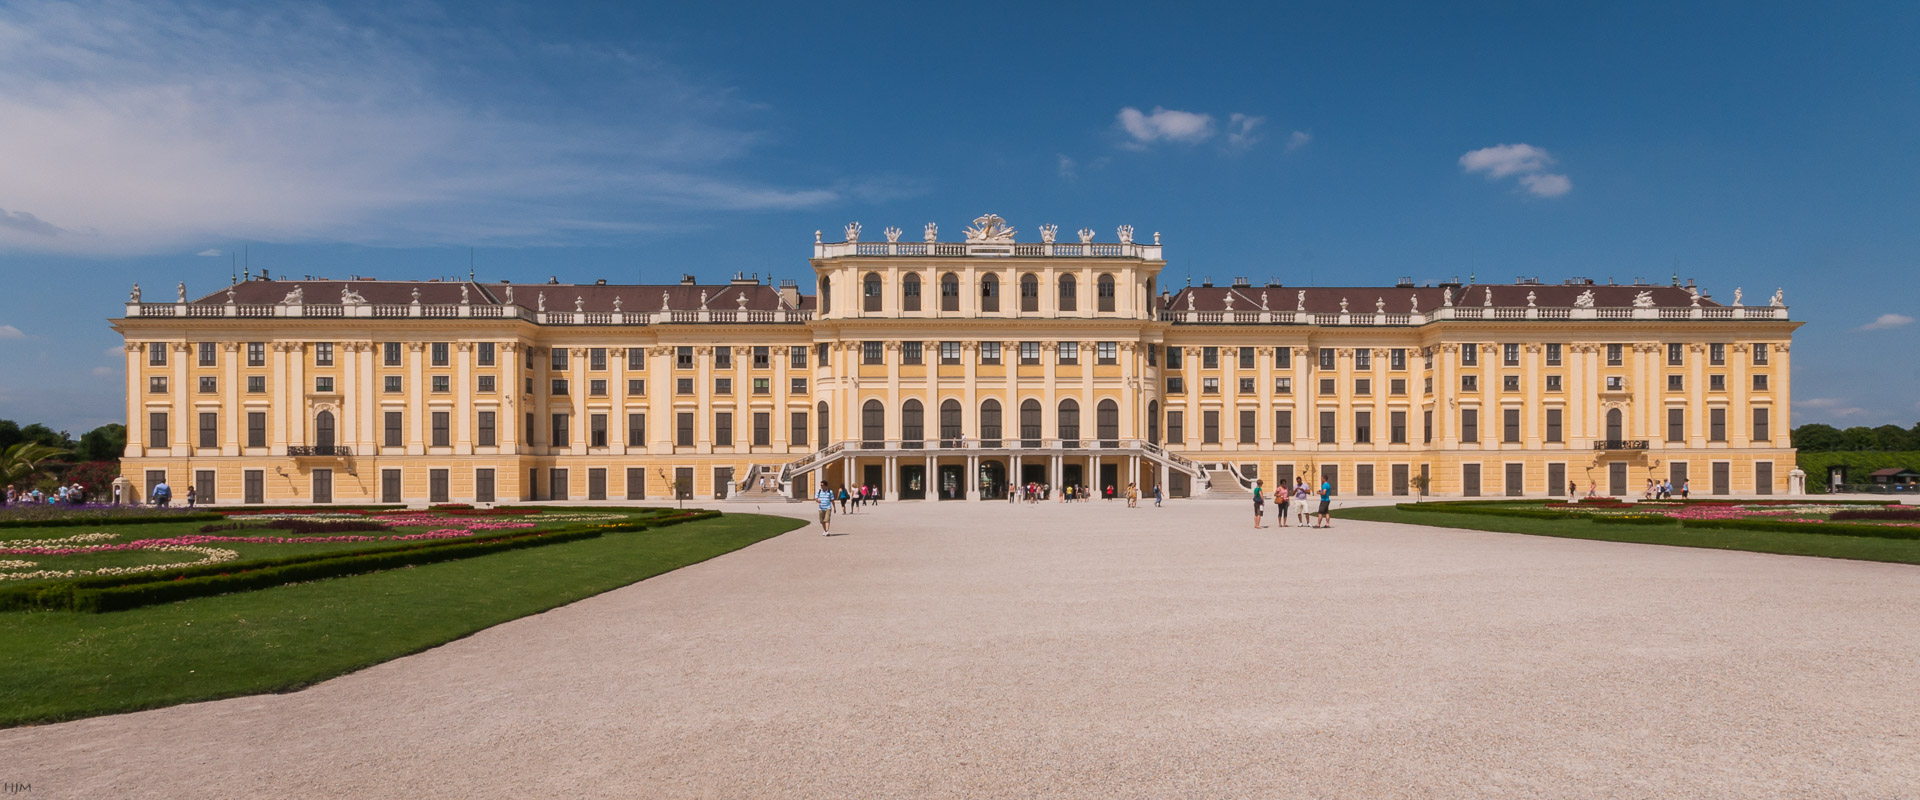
(12, 495)
(1300, 496)
(1259, 503)
(1326, 503)
(1133, 495)
(1648, 495)
(1573, 490)
(1685, 488)
(162, 493)
(825, 496)
(193, 494)
(1109, 491)
(1280, 499)
(1156, 495)
(844, 499)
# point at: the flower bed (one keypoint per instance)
(47, 516)
(297, 525)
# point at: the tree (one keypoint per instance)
(1816, 438)
(1891, 437)
(41, 434)
(105, 443)
(24, 460)
(9, 434)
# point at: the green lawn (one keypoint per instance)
(57, 665)
(1904, 551)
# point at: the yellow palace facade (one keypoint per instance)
(950, 371)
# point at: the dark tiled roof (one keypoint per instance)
(1399, 300)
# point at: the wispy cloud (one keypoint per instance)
(101, 372)
(1887, 322)
(1243, 130)
(1298, 140)
(137, 127)
(10, 332)
(1069, 168)
(1164, 125)
(1524, 160)
(215, 251)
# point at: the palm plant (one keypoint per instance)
(25, 460)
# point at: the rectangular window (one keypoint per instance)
(1510, 383)
(1615, 355)
(1717, 354)
(1397, 386)
(723, 386)
(1676, 354)
(483, 488)
(762, 429)
(1069, 353)
(1397, 427)
(1326, 427)
(156, 354)
(763, 386)
(1209, 358)
(1469, 383)
(910, 352)
(323, 385)
(1426, 427)
(1210, 385)
(391, 384)
(1510, 425)
(437, 486)
(559, 386)
(1283, 386)
(1363, 359)
(1716, 425)
(1176, 427)
(950, 352)
(1283, 426)
(1176, 358)
(872, 353)
(1247, 434)
(683, 386)
(1176, 385)
(797, 429)
(1676, 383)
(723, 429)
(442, 429)
(1716, 383)
(206, 354)
(826, 355)
(1760, 356)
(1553, 355)
(596, 358)
(1363, 387)
(254, 486)
(323, 354)
(1676, 424)
(256, 354)
(1326, 358)
(439, 354)
(636, 429)
(562, 434)
(799, 386)
(1326, 386)
(1107, 352)
(797, 357)
(1397, 358)
(1246, 358)
(1470, 425)
(1555, 433)
(1246, 386)
(596, 430)
(484, 357)
(157, 384)
(487, 385)
(1282, 358)
(444, 383)
(484, 434)
(683, 357)
(557, 358)
(1761, 431)
(1153, 355)
(1553, 383)
(989, 352)
(209, 385)
(1759, 383)
(762, 357)
(256, 429)
(1363, 480)
(1029, 352)
(597, 387)
(636, 387)
(1209, 427)
(557, 488)
(1363, 427)
(596, 483)
(1469, 354)
(683, 429)
(209, 429)
(157, 428)
(390, 353)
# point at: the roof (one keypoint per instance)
(1891, 472)
(1400, 299)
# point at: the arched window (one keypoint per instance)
(1069, 293)
(1029, 292)
(1108, 418)
(949, 292)
(990, 293)
(910, 292)
(990, 423)
(826, 295)
(1030, 423)
(1106, 293)
(1613, 425)
(822, 424)
(1070, 423)
(912, 424)
(870, 292)
(1153, 422)
(950, 423)
(323, 429)
(873, 424)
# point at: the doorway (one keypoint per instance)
(953, 478)
(1033, 473)
(993, 480)
(913, 482)
(323, 486)
(1617, 478)
(722, 481)
(1109, 476)
(872, 475)
(1073, 475)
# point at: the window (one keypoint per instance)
(683, 357)
(1029, 292)
(1396, 427)
(1176, 385)
(323, 354)
(597, 387)
(438, 352)
(683, 429)
(873, 422)
(1676, 354)
(636, 429)
(562, 435)
(1283, 426)
(1283, 386)
(1107, 352)
(209, 429)
(799, 386)
(256, 354)
(157, 384)
(762, 357)
(1760, 354)
(206, 354)
(1209, 385)
(1759, 383)
(557, 358)
(1426, 384)
(870, 292)
(949, 352)
(1426, 427)
(723, 358)
(1469, 383)
(389, 384)
(1615, 355)
(256, 429)
(989, 352)
(762, 386)
(1553, 383)
(910, 352)
(442, 429)
(1326, 427)
(390, 353)
(1397, 386)
(1616, 383)
(1029, 352)
(1209, 358)
(762, 429)
(1363, 427)
(1717, 354)
(156, 354)
(1676, 383)
(1209, 427)
(391, 435)
(990, 293)
(797, 429)
(1246, 386)
(1282, 358)
(1176, 427)
(1326, 386)
(485, 430)
(487, 384)
(1069, 290)
(949, 292)
(209, 385)
(1510, 425)
(1716, 425)
(559, 386)
(1363, 387)
(797, 358)
(990, 422)
(1469, 354)
(1555, 418)
(596, 358)
(323, 385)
(1553, 355)
(910, 293)
(1070, 353)
(1716, 383)
(1676, 424)
(1761, 433)
(596, 430)
(1510, 383)
(1246, 358)
(1106, 289)
(483, 355)
(1069, 417)
(443, 384)
(1362, 359)
(1247, 434)
(1397, 359)
(1510, 354)
(1326, 358)
(1469, 424)
(950, 422)
(1176, 358)
(723, 386)
(872, 353)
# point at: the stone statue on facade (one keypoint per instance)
(1380, 305)
(1416, 303)
(1189, 301)
(1446, 297)
(742, 297)
(229, 295)
(296, 297)
(1300, 301)
(1779, 298)
(1263, 301)
(1694, 295)
(509, 294)
(1643, 300)
(182, 290)
(616, 303)
(663, 300)
(416, 295)
(579, 303)
(703, 299)
(1126, 234)
(1585, 300)
(1047, 232)
(1736, 296)
(932, 232)
(1156, 237)
(465, 299)
(134, 296)
(989, 229)
(1530, 297)
(1343, 305)
(540, 303)
(892, 233)
(349, 297)
(853, 232)
(1488, 303)
(1229, 300)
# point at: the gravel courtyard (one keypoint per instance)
(990, 650)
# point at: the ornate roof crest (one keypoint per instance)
(990, 229)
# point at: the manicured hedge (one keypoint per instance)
(1822, 528)
(101, 519)
(1900, 513)
(1636, 519)
(1859, 464)
(1487, 510)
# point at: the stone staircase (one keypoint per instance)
(748, 489)
(1224, 484)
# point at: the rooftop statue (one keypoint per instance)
(1489, 300)
(1126, 234)
(1736, 296)
(182, 289)
(1416, 303)
(295, 297)
(416, 295)
(663, 300)
(1229, 300)
(1446, 297)
(1047, 232)
(892, 233)
(1380, 305)
(1643, 300)
(465, 300)
(349, 297)
(1779, 298)
(933, 232)
(1086, 236)
(1530, 297)
(509, 294)
(540, 303)
(579, 303)
(1343, 305)
(1263, 301)
(1189, 301)
(134, 296)
(742, 297)
(703, 299)
(853, 232)
(616, 303)
(1300, 301)
(1585, 300)
(989, 229)
(229, 295)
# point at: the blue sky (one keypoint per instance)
(1753, 145)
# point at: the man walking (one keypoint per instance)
(1326, 503)
(1156, 495)
(1259, 503)
(825, 496)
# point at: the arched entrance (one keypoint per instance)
(993, 480)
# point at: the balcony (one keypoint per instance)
(320, 451)
(1620, 444)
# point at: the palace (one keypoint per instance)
(950, 371)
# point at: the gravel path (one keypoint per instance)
(988, 650)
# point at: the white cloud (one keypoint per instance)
(10, 332)
(136, 127)
(1528, 162)
(1298, 140)
(117, 352)
(1887, 322)
(1241, 130)
(1069, 168)
(1818, 402)
(210, 252)
(1165, 124)
(102, 372)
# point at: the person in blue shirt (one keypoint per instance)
(1326, 504)
(1259, 502)
(825, 496)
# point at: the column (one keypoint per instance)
(463, 398)
(232, 418)
(136, 405)
(1696, 400)
(184, 419)
(511, 382)
(416, 397)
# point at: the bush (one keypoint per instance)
(1893, 513)
(1488, 510)
(1822, 528)
(70, 516)
(1633, 519)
